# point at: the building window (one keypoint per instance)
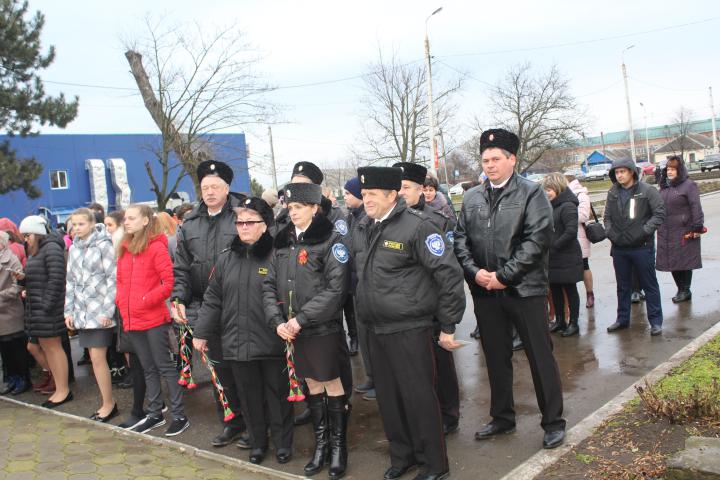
(58, 180)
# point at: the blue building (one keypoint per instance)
(108, 169)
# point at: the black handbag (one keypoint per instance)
(594, 230)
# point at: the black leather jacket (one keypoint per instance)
(509, 235)
(315, 270)
(199, 242)
(232, 307)
(407, 273)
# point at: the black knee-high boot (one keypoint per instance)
(338, 418)
(319, 414)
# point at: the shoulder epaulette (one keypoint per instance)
(415, 212)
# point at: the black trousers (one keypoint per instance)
(570, 289)
(227, 379)
(683, 279)
(405, 382)
(138, 376)
(264, 386)
(529, 316)
(14, 354)
(448, 389)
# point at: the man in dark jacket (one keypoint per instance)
(407, 276)
(447, 388)
(502, 241)
(633, 211)
(206, 232)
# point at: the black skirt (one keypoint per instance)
(320, 357)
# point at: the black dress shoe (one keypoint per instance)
(553, 439)
(226, 437)
(655, 330)
(51, 404)
(433, 476)
(283, 455)
(491, 430)
(557, 327)
(302, 418)
(682, 296)
(257, 455)
(244, 442)
(113, 413)
(396, 472)
(571, 330)
(617, 326)
(448, 429)
(475, 333)
(364, 387)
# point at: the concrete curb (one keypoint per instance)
(586, 427)
(178, 446)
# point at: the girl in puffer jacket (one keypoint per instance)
(90, 300)
(144, 283)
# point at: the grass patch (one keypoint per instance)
(586, 459)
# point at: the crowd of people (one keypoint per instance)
(243, 280)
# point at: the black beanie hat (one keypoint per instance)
(384, 178)
(261, 207)
(499, 138)
(413, 172)
(220, 169)
(303, 193)
(309, 170)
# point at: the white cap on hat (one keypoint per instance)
(33, 224)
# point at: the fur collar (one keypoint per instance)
(319, 230)
(259, 249)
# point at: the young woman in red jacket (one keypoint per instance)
(144, 283)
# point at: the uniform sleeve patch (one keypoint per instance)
(340, 253)
(341, 227)
(450, 235)
(435, 244)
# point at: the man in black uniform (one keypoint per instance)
(448, 389)
(407, 275)
(502, 240)
(206, 232)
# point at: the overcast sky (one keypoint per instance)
(672, 64)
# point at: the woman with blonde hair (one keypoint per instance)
(90, 300)
(144, 283)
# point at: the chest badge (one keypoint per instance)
(303, 257)
(392, 245)
(263, 271)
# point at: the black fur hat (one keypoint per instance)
(384, 178)
(220, 169)
(499, 138)
(303, 193)
(309, 170)
(412, 171)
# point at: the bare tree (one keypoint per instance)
(396, 120)
(679, 131)
(195, 81)
(539, 108)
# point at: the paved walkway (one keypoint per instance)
(39, 445)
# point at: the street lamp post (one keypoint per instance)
(647, 142)
(627, 100)
(431, 133)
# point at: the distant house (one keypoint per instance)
(692, 147)
(107, 169)
(597, 157)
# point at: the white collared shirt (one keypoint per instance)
(384, 217)
(502, 184)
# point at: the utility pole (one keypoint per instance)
(714, 127)
(431, 132)
(444, 157)
(647, 142)
(629, 112)
(272, 159)
(602, 139)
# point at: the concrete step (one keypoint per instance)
(699, 461)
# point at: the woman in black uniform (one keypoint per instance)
(303, 295)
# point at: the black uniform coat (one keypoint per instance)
(317, 279)
(199, 242)
(566, 264)
(407, 273)
(233, 307)
(45, 286)
(508, 234)
(441, 219)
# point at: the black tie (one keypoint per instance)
(300, 237)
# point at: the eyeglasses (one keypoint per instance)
(247, 223)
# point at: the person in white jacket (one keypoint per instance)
(90, 299)
(583, 216)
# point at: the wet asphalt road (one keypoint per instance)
(595, 367)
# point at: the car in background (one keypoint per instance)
(647, 168)
(575, 172)
(458, 189)
(601, 171)
(536, 177)
(710, 162)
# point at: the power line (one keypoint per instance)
(668, 88)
